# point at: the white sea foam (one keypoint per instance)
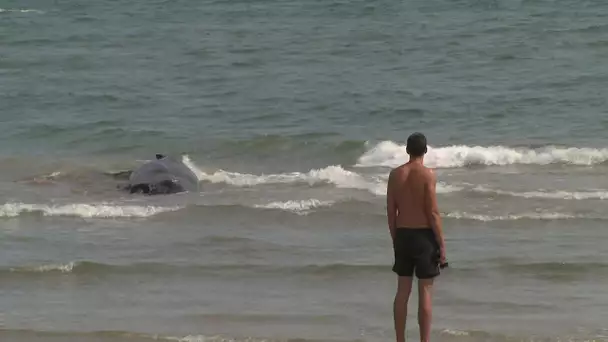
(559, 194)
(443, 188)
(299, 207)
(64, 268)
(333, 174)
(2, 10)
(52, 175)
(454, 332)
(510, 217)
(203, 338)
(391, 154)
(83, 210)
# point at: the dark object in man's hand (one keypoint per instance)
(441, 265)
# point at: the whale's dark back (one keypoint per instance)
(163, 175)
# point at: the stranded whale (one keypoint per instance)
(165, 175)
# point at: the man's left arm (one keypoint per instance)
(391, 206)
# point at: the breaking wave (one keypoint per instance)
(559, 194)
(510, 217)
(298, 207)
(391, 154)
(336, 175)
(82, 210)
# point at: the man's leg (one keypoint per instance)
(425, 308)
(404, 287)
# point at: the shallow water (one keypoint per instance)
(291, 114)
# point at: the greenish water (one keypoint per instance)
(291, 114)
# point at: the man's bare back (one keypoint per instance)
(412, 186)
(412, 200)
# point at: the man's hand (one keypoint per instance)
(442, 259)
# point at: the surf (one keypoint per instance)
(392, 154)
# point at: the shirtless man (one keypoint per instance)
(415, 226)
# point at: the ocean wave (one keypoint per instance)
(2, 10)
(88, 267)
(455, 332)
(220, 338)
(103, 210)
(559, 194)
(553, 268)
(69, 267)
(111, 335)
(391, 154)
(334, 174)
(510, 217)
(376, 184)
(61, 268)
(84, 268)
(204, 338)
(452, 334)
(298, 207)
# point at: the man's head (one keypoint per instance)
(416, 145)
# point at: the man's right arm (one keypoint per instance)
(432, 210)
